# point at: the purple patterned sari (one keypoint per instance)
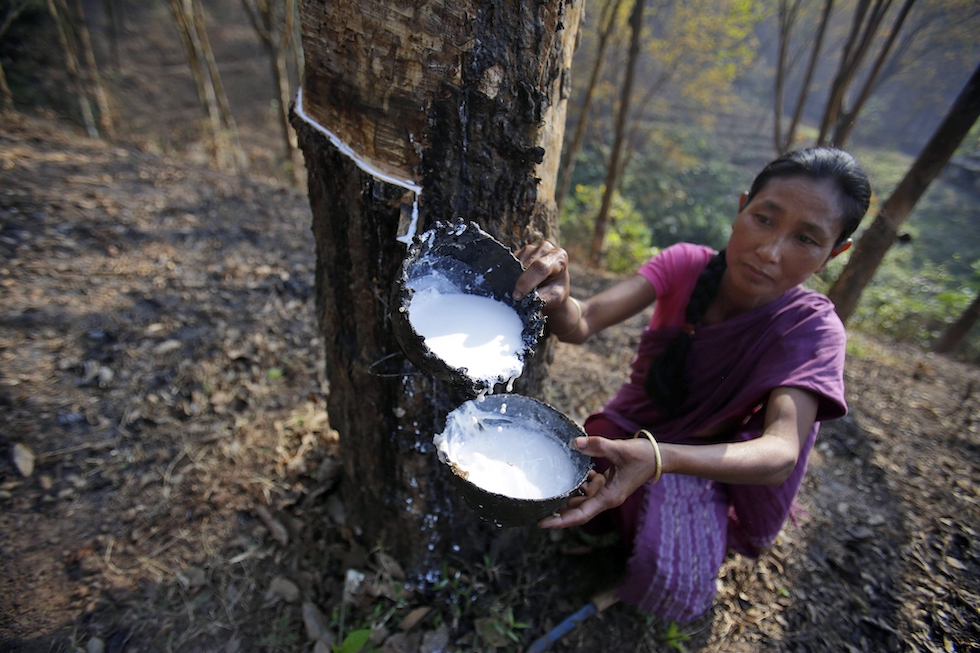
(682, 526)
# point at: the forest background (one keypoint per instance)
(699, 124)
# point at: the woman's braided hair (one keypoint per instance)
(666, 381)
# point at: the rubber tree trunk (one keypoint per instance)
(466, 100)
(874, 243)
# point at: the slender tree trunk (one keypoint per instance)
(867, 21)
(958, 330)
(847, 118)
(205, 89)
(462, 98)
(6, 97)
(276, 41)
(786, 15)
(96, 87)
(845, 71)
(615, 157)
(230, 128)
(114, 22)
(785, 143)
(874, 243)
(293, 155)
(607, 24)
(65, 39)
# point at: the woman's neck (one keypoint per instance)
(729, 304)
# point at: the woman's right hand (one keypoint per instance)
(545, 269)
(633, 463)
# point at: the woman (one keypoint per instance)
(706, 445)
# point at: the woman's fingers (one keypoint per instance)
(546, 269)
(580, 513)
(597, 446)
(631, 466)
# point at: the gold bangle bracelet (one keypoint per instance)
(656, 452)
(577, 322)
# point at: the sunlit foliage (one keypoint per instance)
(628, 240)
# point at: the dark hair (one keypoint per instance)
(818, 164)
(666, 381)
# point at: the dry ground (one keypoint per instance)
(167, 476)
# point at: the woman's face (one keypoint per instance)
(782, 236)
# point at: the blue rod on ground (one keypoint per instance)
(598, 603)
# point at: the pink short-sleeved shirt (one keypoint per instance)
(674, 273)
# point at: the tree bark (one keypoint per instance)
(465, 100)
(615, 157)
(958, 330)
(874, 243)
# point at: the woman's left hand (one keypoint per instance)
(633, 462)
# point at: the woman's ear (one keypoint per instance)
(743, 200)
(843, 247)
(839, 249)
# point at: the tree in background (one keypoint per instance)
(274, 22)
(788, 17)
(689, 53)
(192, 27)
(857, 74)
(958, 330)
(15, 10)
(936, 46)
(869, 15)
(614, 164)
(462, 103)
(91, 68)
(80, 65)
(113, 10)
(880, 236)
(608, 22)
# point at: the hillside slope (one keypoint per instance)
(159, 359)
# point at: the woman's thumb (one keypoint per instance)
(590, 445)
